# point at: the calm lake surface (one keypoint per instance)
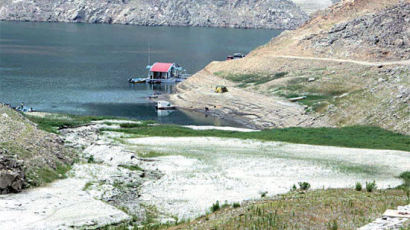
(84, 68)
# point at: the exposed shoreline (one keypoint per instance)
(146, 25)
(251, 109)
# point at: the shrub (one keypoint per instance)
(225, 205)
(215, 207)
(333, 225)
(91, 159)
(304, 185)
(236, 205)
(263, 194)
(406, 177)
(294, 188)
(358, 186)
(370, 186)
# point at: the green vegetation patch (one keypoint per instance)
(131, 167)
(354, 136)
(52, 122)
(39, 176)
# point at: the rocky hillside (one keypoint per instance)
(349, 64)
(379, 29)
(277, 14)
(28, 156)
(311, 6)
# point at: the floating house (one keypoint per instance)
(164, 71)
(161, 72)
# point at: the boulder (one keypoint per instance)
(11, 174)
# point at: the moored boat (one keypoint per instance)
(164, 105)
(137, 80)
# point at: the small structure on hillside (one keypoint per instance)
(221, 89)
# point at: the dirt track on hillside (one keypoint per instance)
(404, 62)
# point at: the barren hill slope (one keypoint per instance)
(351, 62)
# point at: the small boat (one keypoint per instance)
(154, 95)
(137, 80)
(235, 56)
(24, 109)
(164, 105)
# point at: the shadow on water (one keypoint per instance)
(147, 111)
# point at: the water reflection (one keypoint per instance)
(164, 113)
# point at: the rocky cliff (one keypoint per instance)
(311, 6)
(276, 14)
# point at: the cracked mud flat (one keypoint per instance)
(202, 170)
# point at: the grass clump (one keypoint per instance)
(152, 154)
(37, 177)
(353, 136)
(131, 167)
(53, 122)
(215, 207)
(333, 225)
(304, 186)
(370, 186)
(358, 186)
(87, 186)
(91, 159)
(406, 178)
(236, 205)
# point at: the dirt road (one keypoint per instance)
(403, 62)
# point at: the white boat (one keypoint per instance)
(164, 105)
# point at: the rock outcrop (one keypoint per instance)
(12, 177)
(311, 6)
(275, 14)
(385, 35)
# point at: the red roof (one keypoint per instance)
(161, 67)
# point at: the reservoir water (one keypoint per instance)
(83, 68)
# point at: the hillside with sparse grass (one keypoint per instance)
(348, 65)
(28, 155)
(317, 209)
